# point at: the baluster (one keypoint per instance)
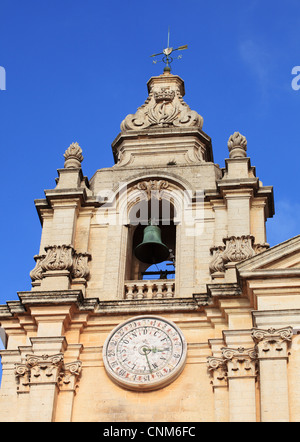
(129, 294)
(169, 291)
(140, 293)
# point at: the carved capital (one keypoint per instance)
(241, 362)
(69, 376)
(217, 368)
(45, 368)
(272, 343)
(22, 373)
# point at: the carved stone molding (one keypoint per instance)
(62, 257)
(241, 362)
(237, 145)
(164, 107)
(73, 156)
(272, 343)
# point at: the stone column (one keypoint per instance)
(218, 370)
(241, 373)
(272, 346)
(67, 389)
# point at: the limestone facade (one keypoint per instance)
(235, 299)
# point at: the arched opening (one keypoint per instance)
(146, 279)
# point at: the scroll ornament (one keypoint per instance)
(61, 257)
(272, 343)
(58, 258)
(164, 107)
(236, 249)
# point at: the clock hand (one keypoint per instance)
(155, 349)
(145, 353)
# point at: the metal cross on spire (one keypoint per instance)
(167, 59)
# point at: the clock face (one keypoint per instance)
(145, 353)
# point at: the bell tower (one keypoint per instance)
(136, 282)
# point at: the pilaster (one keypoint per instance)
(272, 347)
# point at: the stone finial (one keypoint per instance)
(73, 157)
(237, 145)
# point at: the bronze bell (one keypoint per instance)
(152, 250)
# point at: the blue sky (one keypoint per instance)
(76, 68)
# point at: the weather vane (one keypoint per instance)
(167, 59)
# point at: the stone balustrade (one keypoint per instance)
(158, 288)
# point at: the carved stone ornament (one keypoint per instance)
(237, 145)
(164, 107)
(69, 376)
(272, 343)
(217, 264)
(80, 266)
(46, 369)
(62, 257)
(58, 258)
(241, 362)
(217, 368)
(37, 272)
(152, 188)
(73, 156)
(236, 249)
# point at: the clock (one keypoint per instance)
(145, 353)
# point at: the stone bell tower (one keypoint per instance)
(96, 335)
